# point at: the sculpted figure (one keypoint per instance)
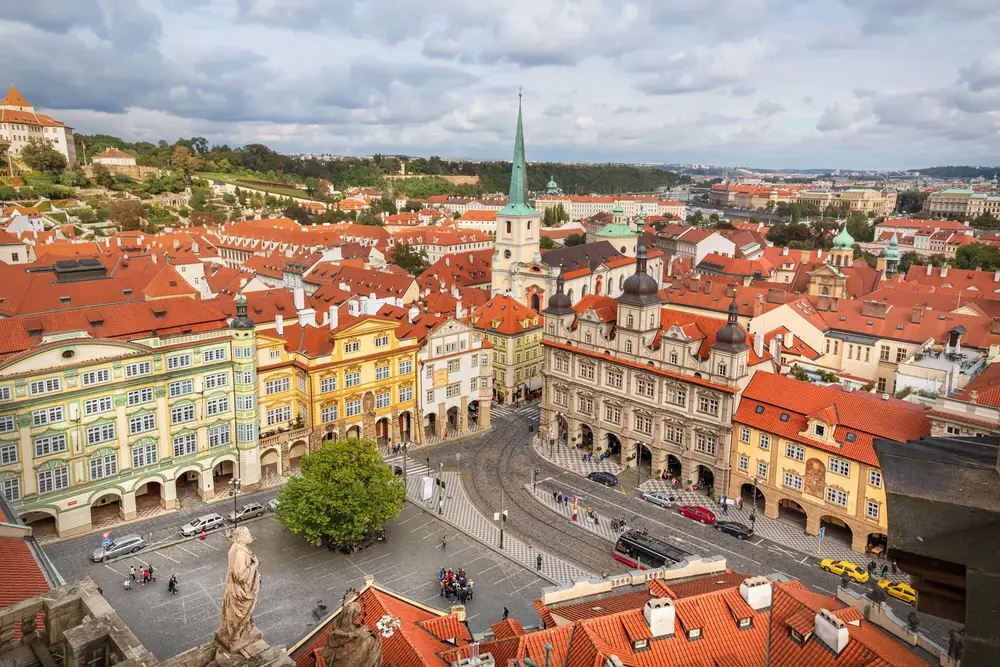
(351, 644)
(240, 598)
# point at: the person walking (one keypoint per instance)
(152, 577)
(538, 562)
(131, 572)
(885, 570)
(172, 585)
(128, 583)
(145, 576)
(506, 613)
(444, 542)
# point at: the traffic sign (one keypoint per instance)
(106, 535)
(822, 533)
(105, 542)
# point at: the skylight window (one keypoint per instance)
(784, 416)
(759, 409)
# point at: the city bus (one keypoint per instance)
(645, 552)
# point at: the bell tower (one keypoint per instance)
(518, 224)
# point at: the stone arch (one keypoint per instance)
(354, 432)
(270, 462)
(107, 491)
(44, 521)
(570, 294)
(583, 290)
(106, 513)
(837, 529)
(151, 491)
(297, 450)
(535, 302)
(598, 285)
(747, 493)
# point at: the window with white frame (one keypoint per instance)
(54, 479)
(453, 390)
(185, 444)
(277, 386)
(217, 406)
(708, 405)
(383, 400)
(275, 354)
(559, 396)
(645, 387)
(836, 496)
(104, 466)
(430, 396)
(245, 377)
(561, 364)
(454, 365)
(473, 384)
(245, 352)
(95, 377)
(352, 379)
(138, 368)
(245, 401)
(614, 378)
(875, 478)
(744, 434)
(12, 489)
(475, 360)
(352, 346)
(405, 394)
(46, 386)
(145, 455)
(840, 467)
(5, 394)
(52, 415)
(96, 406)
(142, 423)
(178, 361)
(329, 414)
(181, 414)
(180, 388)
(673, 357)
(7, 424)
(246, 432)
(353, 408)
(952, 430)
(50, 444)
(872, 509)
(628, 347)
(744, 463)
(644, 424)
(279, 415)
(819, 430)
(215, 354)
(326, 385)
(795, 452)
(677, 396)
(586, 371)
(429, 371)
(382, 372)
(586, 405)
(8, 454)
(706, 443)
(762, 470)
(406, 366)
(765, 441)
(484, 358)
(219, 436)
(613, 414)
(216, 380)
(792, 481)
(100, 433)
(382, 341)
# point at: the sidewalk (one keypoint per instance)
(570, 458)
(459, 511)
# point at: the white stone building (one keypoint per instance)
(456, 379)
(113, 157)
(19, 123)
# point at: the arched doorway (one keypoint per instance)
(186, 484)
(382, 432)
(599, 285)
(296, 452)
(644, 460)
(562, 431)
(354, 432)
(674, 467)
(149, 496)
(222, 475)
(535, 302)
(792, 512)
(473, 416)
(106, 509)
(706, 478)
(836, 530)
(614, 444)
(451, 417)
(405, 419)
(43, 524)
(330, 435)
(587, 437)
(747, 492)
(270, 464)
(430, 425)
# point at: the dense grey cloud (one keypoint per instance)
(847, 83)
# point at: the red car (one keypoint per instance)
(697, 513)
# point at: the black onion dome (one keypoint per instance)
(640, 288)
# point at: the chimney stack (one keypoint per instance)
(758, 344)
(944, 271)
(333, 317)
(917, 314)
(660, 616)
(412, 314)
(756, 592)
(876, 309)
(279, 324)
(708, 287)
(299, 298)
(775, 295)
(831, 631)
(929, 267)
(732, 289)
(695, 283)
(758, 305)
(789, 340)
(995, 326)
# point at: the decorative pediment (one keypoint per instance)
(677, 333)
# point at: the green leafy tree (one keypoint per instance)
(575, 239)
(978, 255)
(127, 214)
(410, 259)
(860, 227)
(909, 202)
(297, 213)
(103, 177)
(39, 155)
(546, 243)
(345, 491)
(4, 148)
(185, 162)
(369, 218)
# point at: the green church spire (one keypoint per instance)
(517, 200)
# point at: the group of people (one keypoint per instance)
(873, 569)
(455, 586)
(146, 576)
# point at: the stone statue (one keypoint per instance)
(955, 643)
(240, 598)
(351, 644)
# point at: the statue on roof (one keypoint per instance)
(350, 643)
(242, 589)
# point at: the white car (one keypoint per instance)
(658, 498)
(248, 511)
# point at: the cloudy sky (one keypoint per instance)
(778, 83)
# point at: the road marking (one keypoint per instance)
(758, 542)
(490, 568)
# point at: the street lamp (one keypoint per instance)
(753, 514)
(638, 459)
(234, 484)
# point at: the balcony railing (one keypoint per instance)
(275, 436)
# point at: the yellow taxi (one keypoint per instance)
(900, 591)
(841, 566)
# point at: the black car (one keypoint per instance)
(735, 529)
(605, 478)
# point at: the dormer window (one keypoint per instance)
(640, 645)
(797, 637)
(694, 633)
(819, 430)
(744, 623)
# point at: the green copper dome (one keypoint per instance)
(615, 230)
(892, 253)
(843, 240)
(617, 210)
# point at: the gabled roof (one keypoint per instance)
(14, 98)
(504, 315)
(168, 283)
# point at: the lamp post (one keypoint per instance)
(638, 458)
(753, 514)
(234, 484)
(440, 488)
(405, 447)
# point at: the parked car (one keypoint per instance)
(697, 513)
(658, 498)
(735, 528)
(900, 591)
(202, 523)
(272, 504)
(841, 566)
(127, 544)
(247, 511)
(605, 478)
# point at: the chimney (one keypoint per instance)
(708, 287)
(307, 317)
(973, 397)
(876, 309)
(334, 313)
(789, 339)
(695, 283)
(459, 609)
(279, 324)
(758, 305)
(177, 244)
(995, 326)
(777, 357)
(731, 290)
(918, 313)
(772, 347)
(299, 298)
(412, 314)
(929, 267)
(758, 344)
(823, 303)
(119, 239)
(996, 277)
(194, 247)
(659, 615)
(353, 308)
(670, 265)
(784, 252)
(831, 631)
(153, 258)
(676, 281)
(455, 293)
(447, 260)
(835, 304)
(756, 592)
(775, 295)
(944, 271)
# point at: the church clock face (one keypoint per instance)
(506, 254)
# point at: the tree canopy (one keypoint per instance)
(39, 155)
(410, 259)
(978, 256)
(345, 490)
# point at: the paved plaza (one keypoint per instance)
(295, 575)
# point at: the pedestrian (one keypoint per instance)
(441, 574)
(722, 499)
(538, 562)
(444, 542)
(172, 584)
(128, 583)
(739, 502)
(131, 572)
(895, 569)
(145, 576)
(151, 575)
(725, 508)
(506, 613)
(845, 579)
(885, 570)
(558, 498)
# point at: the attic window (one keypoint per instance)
(694, 633)
(127, 291)
(798, 637)
(34, 332)
(851, 437)
(97, 324)
(65, 299)
(159, 314)
(173, 283)
(940, 317)
(280, 307)
(640, 644)
(759, 409)
(784, 416)
(744, 623)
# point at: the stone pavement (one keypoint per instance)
(781, 532)
(571, 458)
(459, 511)
(527, 411)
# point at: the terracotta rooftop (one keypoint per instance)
(504, 315)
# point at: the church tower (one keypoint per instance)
(247, 419)
(639, 307)
(518, 224)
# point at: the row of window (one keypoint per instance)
(794, 481)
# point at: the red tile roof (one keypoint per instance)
(21, 577)
(168, 283)
(986, 386)
(984, 282)
(458, 270)
(504, 315)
